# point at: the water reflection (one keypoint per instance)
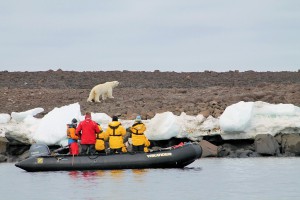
(100, 173)
(139, 174)
(192, 168)
(139, 171)
(74, 174)
(86, 174)
(117, 173)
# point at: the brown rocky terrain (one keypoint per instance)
(146, 93)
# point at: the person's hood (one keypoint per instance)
(114, 123)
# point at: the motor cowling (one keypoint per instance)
(39, 150)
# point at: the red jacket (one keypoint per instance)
(88, 129)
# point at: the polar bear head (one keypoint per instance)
(115, 83)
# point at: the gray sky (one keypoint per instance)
(135, 35)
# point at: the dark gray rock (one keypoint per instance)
(3, 158)
(3, 145)
(266, 144)
(17, 150)
(17, 139)
(254, 154)
(17, 158)
(290, 144)
(208, 149)
(244, 153)
(227, 150)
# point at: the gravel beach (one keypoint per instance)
(146, 93)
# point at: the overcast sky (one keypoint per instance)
(165, 35)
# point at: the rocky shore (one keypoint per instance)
(148, 93)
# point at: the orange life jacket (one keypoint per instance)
(71, 132)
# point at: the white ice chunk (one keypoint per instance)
(236, 117)
(20, 116)
(101, 118)
(189, 124)
(195, 127)
(162, 126)
(52, 128)
(4, 118)
(265, 118)
(273, 110)
(167, 125)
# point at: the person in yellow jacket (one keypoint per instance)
(140, 143)
(101, 137)
(116, 132)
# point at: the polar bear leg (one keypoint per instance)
(91, 96)
(109, 93)
(104, 96)
(97, 97)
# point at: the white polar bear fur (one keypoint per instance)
(104, 90)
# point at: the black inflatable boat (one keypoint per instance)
(172, 157)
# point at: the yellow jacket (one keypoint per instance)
(115, 131)
(100, 138)
(138, 137)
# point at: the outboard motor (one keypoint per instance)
(39, 150)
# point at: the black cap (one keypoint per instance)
(74, 121)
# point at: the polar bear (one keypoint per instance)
(104, 90)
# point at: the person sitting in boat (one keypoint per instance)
(72, 137)
(116, 132)
(140, 143)
(88, 129)
(101, 137)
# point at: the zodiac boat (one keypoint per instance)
(173, 157)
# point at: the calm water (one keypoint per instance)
(213, 178)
